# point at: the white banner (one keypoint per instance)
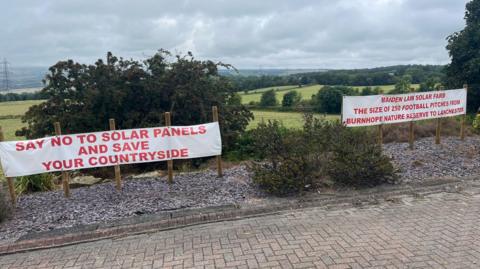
(385, 109)
(78, 151)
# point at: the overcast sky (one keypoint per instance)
(246, 33)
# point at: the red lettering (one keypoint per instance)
(143, 156)
(176, 131)
(144, 134)
(81, 138)
(92, 161)
(19, 146)
(47, 165)
(166, 132)
(78, 163)
(157, 132)
(192, 131)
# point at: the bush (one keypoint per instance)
(291, 99)
(370, 91)
(287, 168)
(329, 98)
(269, 98)
(34, 183)
(5, 208)
(243, 149)
(322, 153)
(403, 85)
(357, 160)
(476, 123)
(292, 160)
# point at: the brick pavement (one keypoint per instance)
(438, 231)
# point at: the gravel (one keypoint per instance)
(101, 203)
(428, 161)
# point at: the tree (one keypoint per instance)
(269, 98)
(83, 97)
(402, 85)
(371, 91)
(463, 48)
(329, 98)
(291, 99)
(428, 85)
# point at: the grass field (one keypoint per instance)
(281, 88)
(9, 127)
(14, 111)
(305, 91)
(17, 108)
(289, 119)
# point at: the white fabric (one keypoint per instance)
(385, 109)
(78, 151)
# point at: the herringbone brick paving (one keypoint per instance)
(439, 231)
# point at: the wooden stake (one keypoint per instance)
(219, 157)
(10, 180)
(168, 123)
(411, 132)
(380, 135)
(118, 176)
(437, 131)
(411, 135)
(65, 174)
(464, 119)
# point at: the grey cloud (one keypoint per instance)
(268, 33)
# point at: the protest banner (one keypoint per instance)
(109, 148)
(386, 109)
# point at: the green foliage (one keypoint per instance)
(34, 183)
(269, 98)
(476, 123)
(329, 98)
(11, 97)
(322, 153)
(357, 159)
(84, 97)
(463, 48)
(5, 208)
(370, 91)
(291, 99)
(428, 85)
(287, 168)
(235, 100)
(356, 77)
(403, 85)
(243, 149)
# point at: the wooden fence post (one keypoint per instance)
(10, 180)
(411, 131)
(65, 174)
(464, 118)
(118, 176)
(168, 123)
(219, 157)
(380, 135)
(411, 135)
(438, 130)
